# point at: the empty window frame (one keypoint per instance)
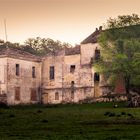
(33, 94)
(96, 77)
(72, 68)
(17, 69)
(33, 72)
(51, 72)
(17, 93)
(56, 96)
(97, 54)
(72, 83)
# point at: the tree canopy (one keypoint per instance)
(122, 21)
(42, 46)
(120, 50)
(37, 46)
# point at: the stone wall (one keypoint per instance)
(24, 84)
(74, 80)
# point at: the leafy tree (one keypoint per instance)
(42, 46)
(120, 50)
(122, 21)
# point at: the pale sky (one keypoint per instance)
(65, 20)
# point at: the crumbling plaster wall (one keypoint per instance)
(24, 80)
(82, 78)
(57, 62)
(3, 75)
(88, 56)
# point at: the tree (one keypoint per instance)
(120, 49)
(122, 21)
(42, 46)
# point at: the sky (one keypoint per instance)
(65, 20)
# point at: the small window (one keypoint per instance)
(51, 72)
(17, 93)
(72, 83)
(33, 72)
(33, 95)
(17, 69)
(96, 77)
(56, 96)
(97, 54)
(72, 89)
(72, 68)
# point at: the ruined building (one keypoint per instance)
(60, 77)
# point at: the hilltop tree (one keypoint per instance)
(120, 49)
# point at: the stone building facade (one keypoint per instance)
(61, 77)
(20, 77)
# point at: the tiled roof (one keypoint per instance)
(93, 37)
(19, 54)
(72, 51)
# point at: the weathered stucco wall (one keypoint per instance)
(73, 79)
(87, 52)
(57, 62)
(3, 75)
(70, 85)
(24, 81)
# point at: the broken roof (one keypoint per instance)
(72, 51)
(19, 54)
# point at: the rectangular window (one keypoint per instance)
(96, 77)
(17, 93)
(72, 68)
(17, 69)
(97, 54)
(56, 96)
(33, 72)
(33, 95)
(51, 72)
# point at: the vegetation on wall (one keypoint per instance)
(120, 50)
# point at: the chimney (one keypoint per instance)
(96, 30)
(100, 28)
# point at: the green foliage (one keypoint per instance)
(122, 21)
(37, 46)
(120, 51)
(42, 46)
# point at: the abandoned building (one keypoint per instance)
(60, 77)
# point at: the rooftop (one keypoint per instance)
(17, 53)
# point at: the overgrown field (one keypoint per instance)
(70, 122)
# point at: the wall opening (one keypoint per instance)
(17, 69)
(33, 94)
(17, 93)
(96, 77)
(52, 72)
(72, 68)
(56, 96)
(72, 89)
(33, 72)
(45, 98)
(72, 94)
(97, 54)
